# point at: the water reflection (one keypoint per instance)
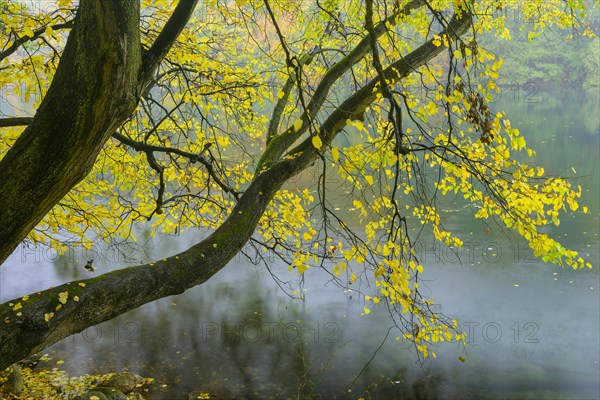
(239, 336)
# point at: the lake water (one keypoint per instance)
(532, 329)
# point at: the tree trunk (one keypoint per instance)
(95, 89)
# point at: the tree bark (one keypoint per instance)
(107, 296)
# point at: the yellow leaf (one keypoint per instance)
(335, 154)
(369, 180)
(298, 124)
(307, 236)
(462, 359)
(62, 297)
(81, 284)
(348, 255)
(317, 142)
(517, 174)
(432, 108)
(28, 32)
(367, 311)
(48, 316)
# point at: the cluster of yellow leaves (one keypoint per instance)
(287, 221)
(535, 15)
(520, 195)
(27, 72)
(396, 275)
(485, 174)
(54, 383)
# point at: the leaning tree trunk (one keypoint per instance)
(30, 324)
(95, 89)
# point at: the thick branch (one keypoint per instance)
(93, 91)
(15, 121)
(168, 35)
